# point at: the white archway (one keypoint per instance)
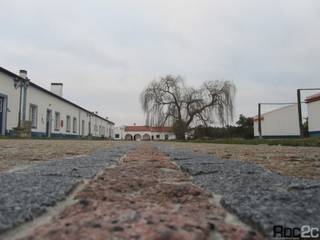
(146, 137)
(128, 137)
(137, 137)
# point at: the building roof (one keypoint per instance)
(313, 98)
(13, 75)
(147, 129)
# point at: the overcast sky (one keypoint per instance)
(106, 51)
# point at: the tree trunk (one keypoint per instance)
(180, 128)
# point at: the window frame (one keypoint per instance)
(83, 125)
(68, 126)
(74, 125)
(57, 122)
(1, 105)
(33, 106)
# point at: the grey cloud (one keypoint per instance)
(106, 51)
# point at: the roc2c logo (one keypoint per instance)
(305, 232)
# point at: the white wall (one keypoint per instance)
(101, 127)
(45, 101)
(7, 88)
(119, 131)
(161, 135)
(314, 116)
(279, 123)
(171, 136)
(134, 133)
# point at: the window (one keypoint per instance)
(74, 129)
(117, 135)
(103, 131)
(57, 121)
(1, 105)
(68, 125)
(33, 115)
(82, 129)
(166, 137)
(158, 136)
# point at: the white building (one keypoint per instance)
(313, 103)
(143, 133)
(282, 122)
(50, 114)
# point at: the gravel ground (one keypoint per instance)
(16, 153)
(25, 194)
(303, 162)
(256, 195)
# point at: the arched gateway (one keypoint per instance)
(128, 137)
(137, 137)
(146, 137)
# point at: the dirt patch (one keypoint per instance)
(145, 197)
(19, 153)
(303, 162)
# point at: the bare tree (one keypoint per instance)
(169, 102)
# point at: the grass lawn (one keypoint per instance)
(305, 142)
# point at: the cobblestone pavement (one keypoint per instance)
(19, 153)
(257, 196)
(301, 162)
(147, 196)
(27, 193)
(144, 197)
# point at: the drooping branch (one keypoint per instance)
(168, 100)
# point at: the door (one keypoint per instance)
(48, 123)
(1, 115)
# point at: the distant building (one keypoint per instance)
(313, 103)
(48, 112)
(282, 122)
(143, 133)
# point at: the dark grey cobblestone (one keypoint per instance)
(259, 197)
(26, 194)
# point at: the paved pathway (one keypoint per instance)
(26, 194)
(144, 197)
(147, 196)
(257, 196)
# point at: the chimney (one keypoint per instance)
(23, 73)
(57, 88)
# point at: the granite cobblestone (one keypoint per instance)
(27, 193)
(258, 196)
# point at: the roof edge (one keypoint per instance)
(313, 98)
(11, 74)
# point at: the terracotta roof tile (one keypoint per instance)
(313, 98)
(147, 129)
